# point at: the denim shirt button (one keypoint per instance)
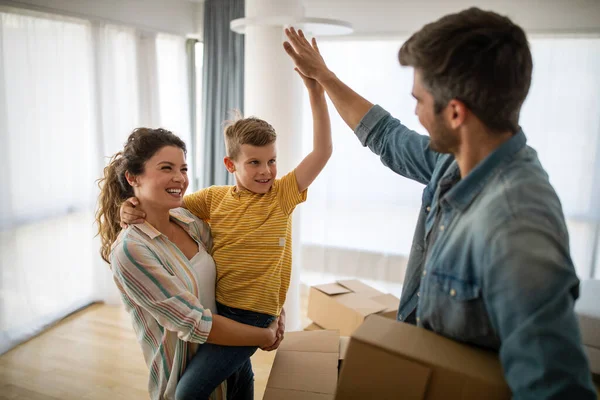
(418, 294)
(418, 320)
(442, 228)
(452, 292)
(428, 208)
(424, 272)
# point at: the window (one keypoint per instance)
(358, 205)
(71, 91)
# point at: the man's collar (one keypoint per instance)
(465, 191)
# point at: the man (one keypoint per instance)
(490, 262)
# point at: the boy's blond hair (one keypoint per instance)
(253, 131)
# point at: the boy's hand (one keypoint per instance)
(280, 332)
(129, 214)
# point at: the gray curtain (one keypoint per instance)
(222, 82)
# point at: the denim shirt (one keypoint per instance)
(490, 262)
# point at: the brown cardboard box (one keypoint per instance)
(313, 327)
(587, 309)
(305, 367)
(344, 342)
(389, 360)
(345, 305)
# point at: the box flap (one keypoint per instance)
(344, 341)
(360, 303)
(427, 347)
(390, 301)
(305, 367)
(359, 287)
(304, 371)
(593, 355)
(332, 288)
(329, 313)
(372, 373)
(587, 309)
(289, 394)
(320, 341)
(590, 329)
(313, 327)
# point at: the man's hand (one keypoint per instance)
(307, 57)
(129, 214)
(313, 86)
(280, 332)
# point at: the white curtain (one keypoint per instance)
(70, 94)
(561, 118)
(48, 134)
(174, 92)
(360, 217)
(120, 107)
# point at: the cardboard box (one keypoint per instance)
(305, 367)
(345, 305)
(313, 327)
(587, 309)
(344, 342)
(390, 360)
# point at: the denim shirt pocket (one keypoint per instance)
(456, 308)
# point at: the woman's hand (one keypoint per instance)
(279, 333)
(129, 214)
(281, 325)
(271, 336)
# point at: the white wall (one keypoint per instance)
(401, 17)
(168, 16)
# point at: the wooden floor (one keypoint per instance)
(92, 355)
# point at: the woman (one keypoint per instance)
(162, 267)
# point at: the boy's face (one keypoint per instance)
(255, 167)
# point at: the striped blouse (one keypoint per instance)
(161, 291)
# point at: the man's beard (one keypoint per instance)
(441, 138)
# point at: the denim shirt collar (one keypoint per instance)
(463, 192)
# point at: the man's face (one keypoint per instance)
(442, 137)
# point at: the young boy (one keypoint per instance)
(251, 224)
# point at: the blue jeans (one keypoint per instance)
(213, 364)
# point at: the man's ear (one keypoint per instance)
(131, 179)
(456, 113)
(229, 164)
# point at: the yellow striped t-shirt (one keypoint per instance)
(252, 241)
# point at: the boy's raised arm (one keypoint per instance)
(312, 165)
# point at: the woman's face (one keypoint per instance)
(164, 181)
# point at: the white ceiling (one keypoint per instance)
(374, 17)
(401, 17)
